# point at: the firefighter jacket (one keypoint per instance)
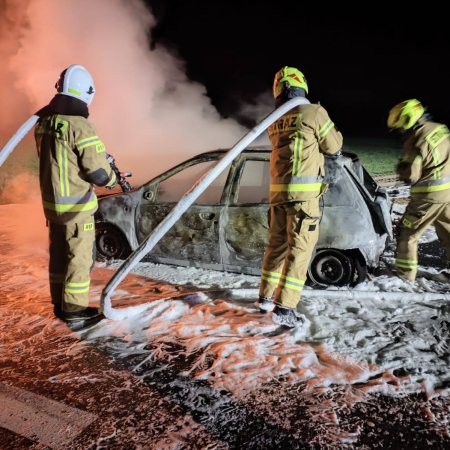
(71, 159)
(299, 140)
(425, 161)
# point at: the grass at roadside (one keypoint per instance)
(379, 157)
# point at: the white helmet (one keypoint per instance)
(77, 82)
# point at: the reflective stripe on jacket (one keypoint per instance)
(425, 161)
(298, 139)
(71, 158)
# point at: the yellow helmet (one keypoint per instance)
(405, 115)
(290, 75)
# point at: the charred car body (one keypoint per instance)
(227, 229)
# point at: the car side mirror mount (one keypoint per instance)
(149, 195)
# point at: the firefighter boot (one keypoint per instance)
(264, 304)
(288, 317)
(77, 320)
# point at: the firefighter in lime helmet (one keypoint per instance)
(425, 165)
(72, 159)
(299, 140)
(405, 115)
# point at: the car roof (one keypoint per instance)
(249, 149)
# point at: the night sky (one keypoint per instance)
(357, 68)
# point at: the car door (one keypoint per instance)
(194, 238)
(244, 222)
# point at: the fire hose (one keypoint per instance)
(17, 137)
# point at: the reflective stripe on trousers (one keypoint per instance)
(293, 234)
(71, 260)
(419, 215)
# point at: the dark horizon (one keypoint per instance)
(357, 68)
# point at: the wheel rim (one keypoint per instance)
(109, 244)
(331, 267)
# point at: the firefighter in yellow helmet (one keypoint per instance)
(425, 165)
(72, 159)
(299, 140)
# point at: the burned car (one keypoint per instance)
(227, 228)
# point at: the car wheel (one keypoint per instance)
(110, 243)
(331, 268)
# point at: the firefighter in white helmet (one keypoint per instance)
(299, 140)
(72, 159)
(425, 165)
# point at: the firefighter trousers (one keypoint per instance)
(420, 214)
(72, 256)
(293, 234)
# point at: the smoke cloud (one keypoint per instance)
(147, 112)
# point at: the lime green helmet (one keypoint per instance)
(405, 114)
(288, 77)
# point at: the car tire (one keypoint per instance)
(110, 243)
(332, 267)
